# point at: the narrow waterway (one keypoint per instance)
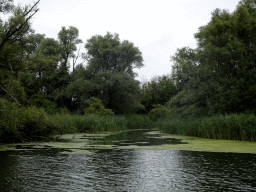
(126, 169)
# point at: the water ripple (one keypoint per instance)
(127, 170)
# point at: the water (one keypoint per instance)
(127, 169)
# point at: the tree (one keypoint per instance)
(110, 66)
(6, 6)
(220, 73)
(81, 88)
(68, 39)
(18, 25)
(157, 91)
(109, 54)
(228, 44)
(12, 54)
(95, 106)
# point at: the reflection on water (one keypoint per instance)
(127, 170)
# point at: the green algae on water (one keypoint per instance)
(84, 143)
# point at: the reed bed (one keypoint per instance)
(232, 127)
(138, 122)
(87, 123)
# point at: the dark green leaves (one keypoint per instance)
(220, 74)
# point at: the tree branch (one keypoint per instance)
(10, 95)
(14, 29)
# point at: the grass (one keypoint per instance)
(233, 127)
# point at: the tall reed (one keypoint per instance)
(138, 122)
(233, 126)
(66, 123)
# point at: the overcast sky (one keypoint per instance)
(157, 27)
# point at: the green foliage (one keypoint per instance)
(40, 100)
(158, 112)
(110, 66)
(157, 91)
(108, 53)
(96, 123)
(33, 123)
(181, 105)
(63, 123)
(68, 39)
(219, 75)
(138, 122)
(12, 90)
(95, 106)
(23, 123)
(87, 123)
(6, 6)
(66, 123)
(178, 125)
(233, 126)
(8, 114)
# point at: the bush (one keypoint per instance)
(8, 114)
(33, 123)
(95, 106)
(40, 100)
(158, 112)
(23, 124)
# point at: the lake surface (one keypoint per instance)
(126, 169)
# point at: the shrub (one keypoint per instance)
(8, 114)
(40, 100)
(33, 123)
(23, 124)
(95, 106)
(158, 112)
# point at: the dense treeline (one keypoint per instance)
(44, 90)
(219, 75)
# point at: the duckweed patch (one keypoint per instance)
(134, 139)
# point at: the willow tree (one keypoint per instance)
(228, 49)
(220, 74)
(110, 65)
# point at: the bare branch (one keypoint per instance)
(10, 95)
